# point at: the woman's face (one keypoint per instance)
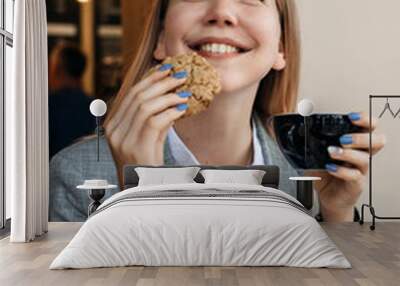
(240, 38)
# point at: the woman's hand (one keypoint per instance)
(136, 132)
(341, 186)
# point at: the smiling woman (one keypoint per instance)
(266, 37)
(254, 47)
(177, 27)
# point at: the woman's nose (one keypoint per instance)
(221, 13)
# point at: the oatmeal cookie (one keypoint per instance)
(203, 80)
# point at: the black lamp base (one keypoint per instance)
(95, 195)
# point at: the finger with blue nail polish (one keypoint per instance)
(346, 140)
(184, 94)
(180, 75)
(165, 67)
(182, 106)
(331, 167)
(354, 116)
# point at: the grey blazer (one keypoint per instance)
(71, 166)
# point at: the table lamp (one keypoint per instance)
(98, 108)
(96, 188)
(305, 184)
(305, 108)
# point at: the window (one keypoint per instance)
(6, 64)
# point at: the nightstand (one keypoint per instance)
(96, 191)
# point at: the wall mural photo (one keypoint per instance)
(186, 83)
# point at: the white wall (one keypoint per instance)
(352, 49)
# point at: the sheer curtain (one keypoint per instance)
(27, 124)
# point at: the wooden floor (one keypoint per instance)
(375, 256)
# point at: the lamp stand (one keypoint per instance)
(98, 137)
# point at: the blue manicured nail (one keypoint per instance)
(184, 94)
(346, 139)
(331, 167)
(165, 67)
(354, 116)
(179, 75)
(182, 107)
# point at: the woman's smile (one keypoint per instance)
(218, 48)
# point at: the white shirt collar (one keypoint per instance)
(183, 156)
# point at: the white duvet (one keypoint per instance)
(222, 225)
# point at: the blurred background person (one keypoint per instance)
(69, 115)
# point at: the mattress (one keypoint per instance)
(201, 225)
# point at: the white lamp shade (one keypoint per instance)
(305, 107)
(98, 107)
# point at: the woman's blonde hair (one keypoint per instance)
(278, 90)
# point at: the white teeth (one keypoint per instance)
(218, 48)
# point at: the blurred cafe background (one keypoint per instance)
(89, 48)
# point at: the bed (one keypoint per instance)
(201, 223)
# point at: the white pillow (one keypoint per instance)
(249, 177)
(162, 176)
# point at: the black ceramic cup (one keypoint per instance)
(324, 130)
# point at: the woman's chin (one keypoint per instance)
(232, 85)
